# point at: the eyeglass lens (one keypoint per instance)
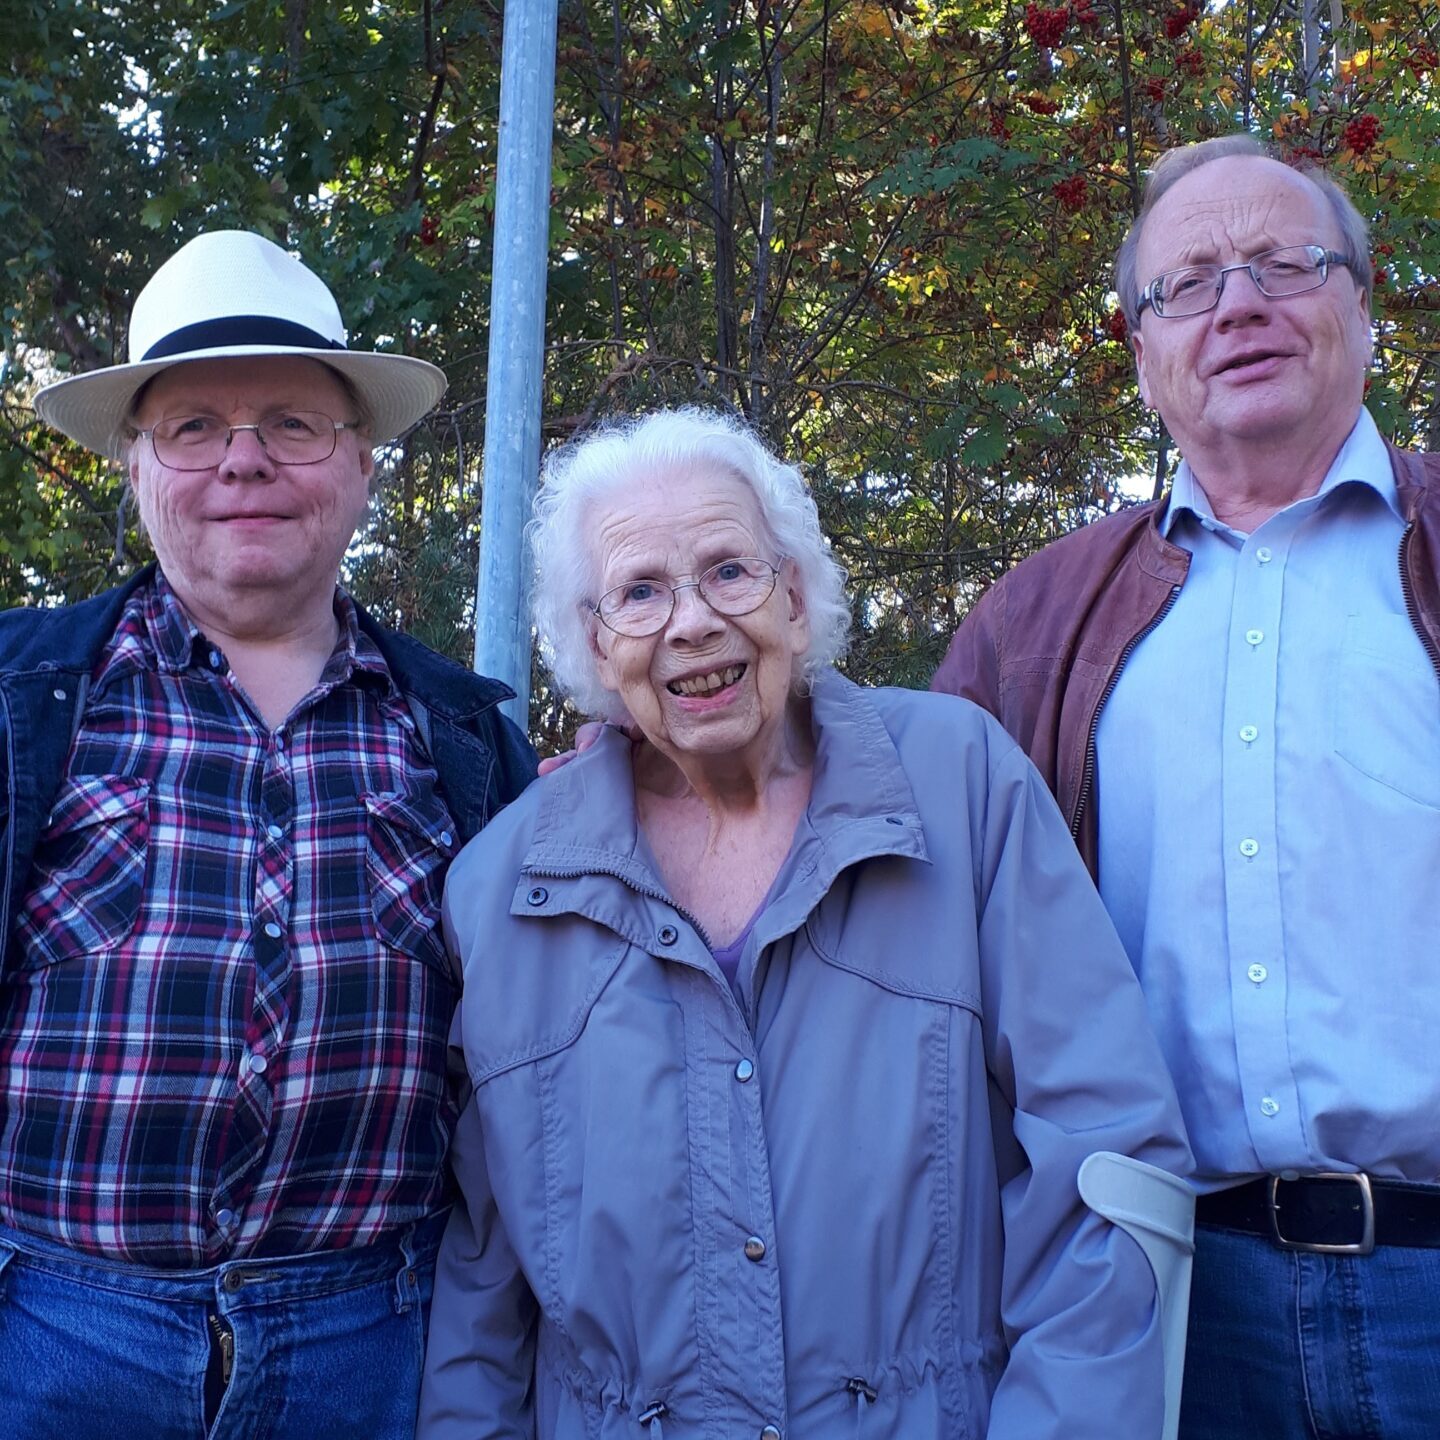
(731, 587)
(196, 442)
(1289, 270)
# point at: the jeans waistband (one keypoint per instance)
(1345, 1214)
(242, 1282)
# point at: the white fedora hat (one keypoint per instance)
(231, 293)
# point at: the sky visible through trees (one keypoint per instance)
(882, 232)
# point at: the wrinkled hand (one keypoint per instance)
(585, 737)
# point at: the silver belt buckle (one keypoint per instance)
(1364, 1246)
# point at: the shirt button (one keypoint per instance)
(446, 838)
(215, 661)
(273, 930)
(770, 1432)
(744, 1071)
(259, 1064)
(1269, 1106)
(1248, 733)
(225, 1218)
(279, 742)
(274, 832)
(1249, 847)
(59, 695)
(1258, 973)
(1254, 637)
(668, 935)
(755, 1248)
(1264, 554)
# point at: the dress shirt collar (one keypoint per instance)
(1363, 459)
(178, 643)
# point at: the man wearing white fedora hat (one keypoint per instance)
(230, 799)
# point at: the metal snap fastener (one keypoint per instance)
(233, 1281)
(668, 935)
(754, 1248)
(743, 1071)
(770, 1432)
(538, 896)
(60, 694)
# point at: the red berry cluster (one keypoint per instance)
(1425, 59)
(1177, 22)
(1039, 104)
(1047, 27)
(1361, 133)
(1071, 193)
(1116, 328)
(1084, 13)
(999, 129)
(1191, 61)
(429, 230)
(1154, 88)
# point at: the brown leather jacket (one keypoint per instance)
(1044, 646)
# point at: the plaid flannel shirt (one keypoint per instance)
(224, 1032)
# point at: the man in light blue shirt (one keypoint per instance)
(1235, 697)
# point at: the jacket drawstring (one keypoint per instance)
(651, 1415)
(864, 1393)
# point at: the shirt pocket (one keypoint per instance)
(410, 841)
(88, 879)
(1387, 707)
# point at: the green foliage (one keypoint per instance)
(882, 231)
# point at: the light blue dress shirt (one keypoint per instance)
(1269, 774)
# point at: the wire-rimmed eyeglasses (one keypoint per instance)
(200, 442)
(735, 586)
(1286, 270)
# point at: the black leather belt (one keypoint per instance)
(1331, 1214)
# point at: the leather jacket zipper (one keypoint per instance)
(1411, 608)
(1087, 775)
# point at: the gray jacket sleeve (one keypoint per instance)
(479, 1363)
(1073, 1059)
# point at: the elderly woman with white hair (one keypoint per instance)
(786, 1025)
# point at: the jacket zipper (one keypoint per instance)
(574, 873)
(1087, 775)
(1411, 608)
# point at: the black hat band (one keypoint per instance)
(238, 330)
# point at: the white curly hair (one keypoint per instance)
(578, 476)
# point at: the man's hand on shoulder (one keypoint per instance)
(585, 737)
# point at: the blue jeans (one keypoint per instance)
(1286, 1345)
(326, 1346)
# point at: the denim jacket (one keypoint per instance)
(840, 1202)
(46, 658)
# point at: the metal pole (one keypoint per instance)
(517, 344)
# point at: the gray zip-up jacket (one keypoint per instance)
(843, 1203)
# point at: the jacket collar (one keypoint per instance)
(861, 806)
